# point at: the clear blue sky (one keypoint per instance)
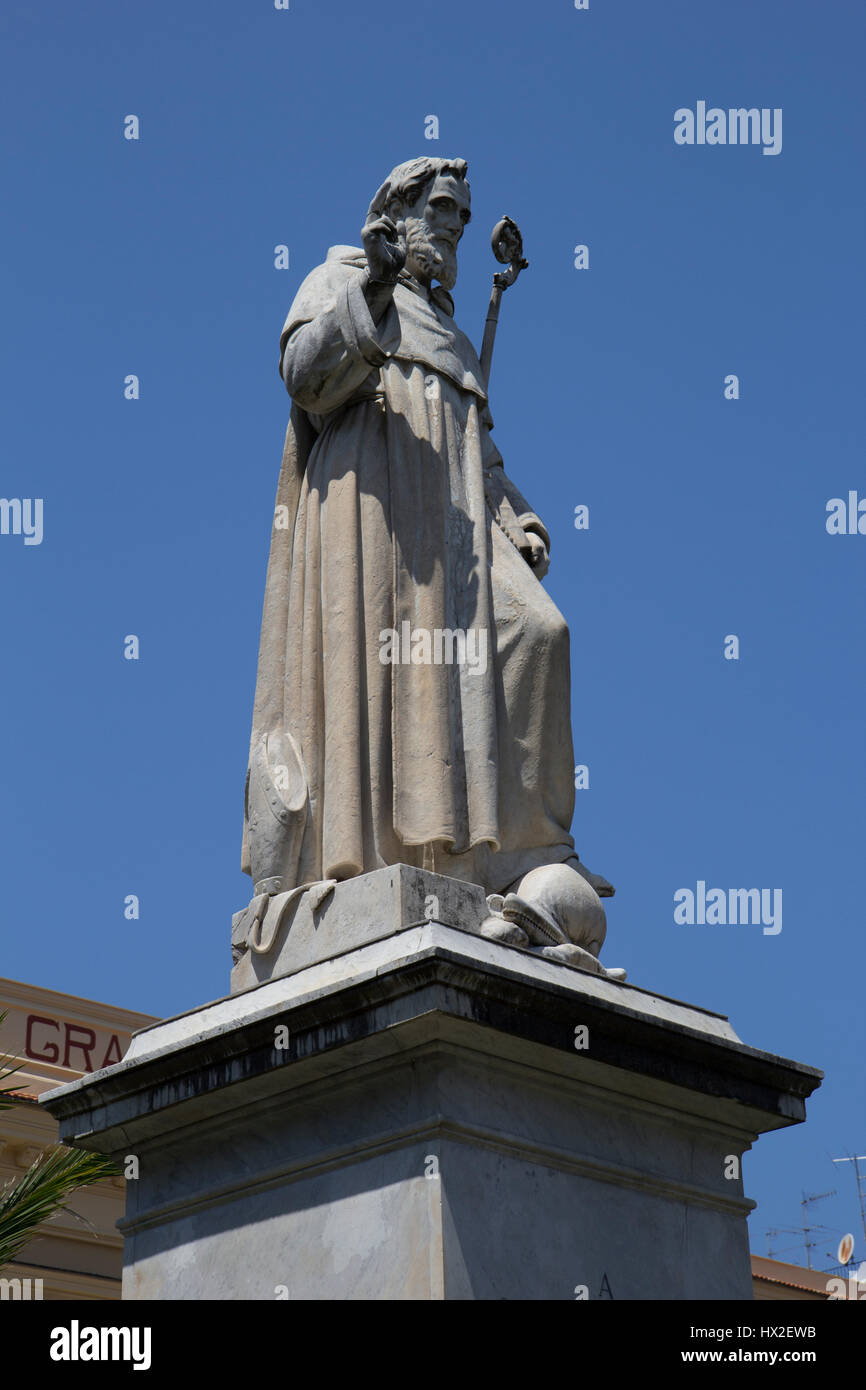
(707, 516)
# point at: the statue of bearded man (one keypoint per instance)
(412, 701)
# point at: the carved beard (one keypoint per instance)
(433, 262)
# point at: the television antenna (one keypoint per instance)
(809, 1200)
(857, 1159)
(781, 1231)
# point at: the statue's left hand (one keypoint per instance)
(537, 558)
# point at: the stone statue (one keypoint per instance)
(412, 700)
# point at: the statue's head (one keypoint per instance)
(432, 197)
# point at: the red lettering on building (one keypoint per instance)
(85, 1050)
(118, 1055)
(52, 1052)
(76, 1039)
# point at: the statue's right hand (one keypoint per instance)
(385, 248)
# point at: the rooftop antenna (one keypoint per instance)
(857, 1159)
(781, 1231)
(807, 1229)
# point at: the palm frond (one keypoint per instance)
(42, 1191)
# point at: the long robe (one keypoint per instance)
(394, 516)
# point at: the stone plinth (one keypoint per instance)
(413, 1120)
(311, 928)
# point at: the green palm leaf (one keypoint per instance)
(43, 1190)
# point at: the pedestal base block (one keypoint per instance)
(433, 1115)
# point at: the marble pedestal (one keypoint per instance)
(424, 1117)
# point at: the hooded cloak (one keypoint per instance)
(396, 530)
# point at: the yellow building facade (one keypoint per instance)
(57, 1038)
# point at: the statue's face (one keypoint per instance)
(434, 225)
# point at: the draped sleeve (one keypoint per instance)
(330, 345)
